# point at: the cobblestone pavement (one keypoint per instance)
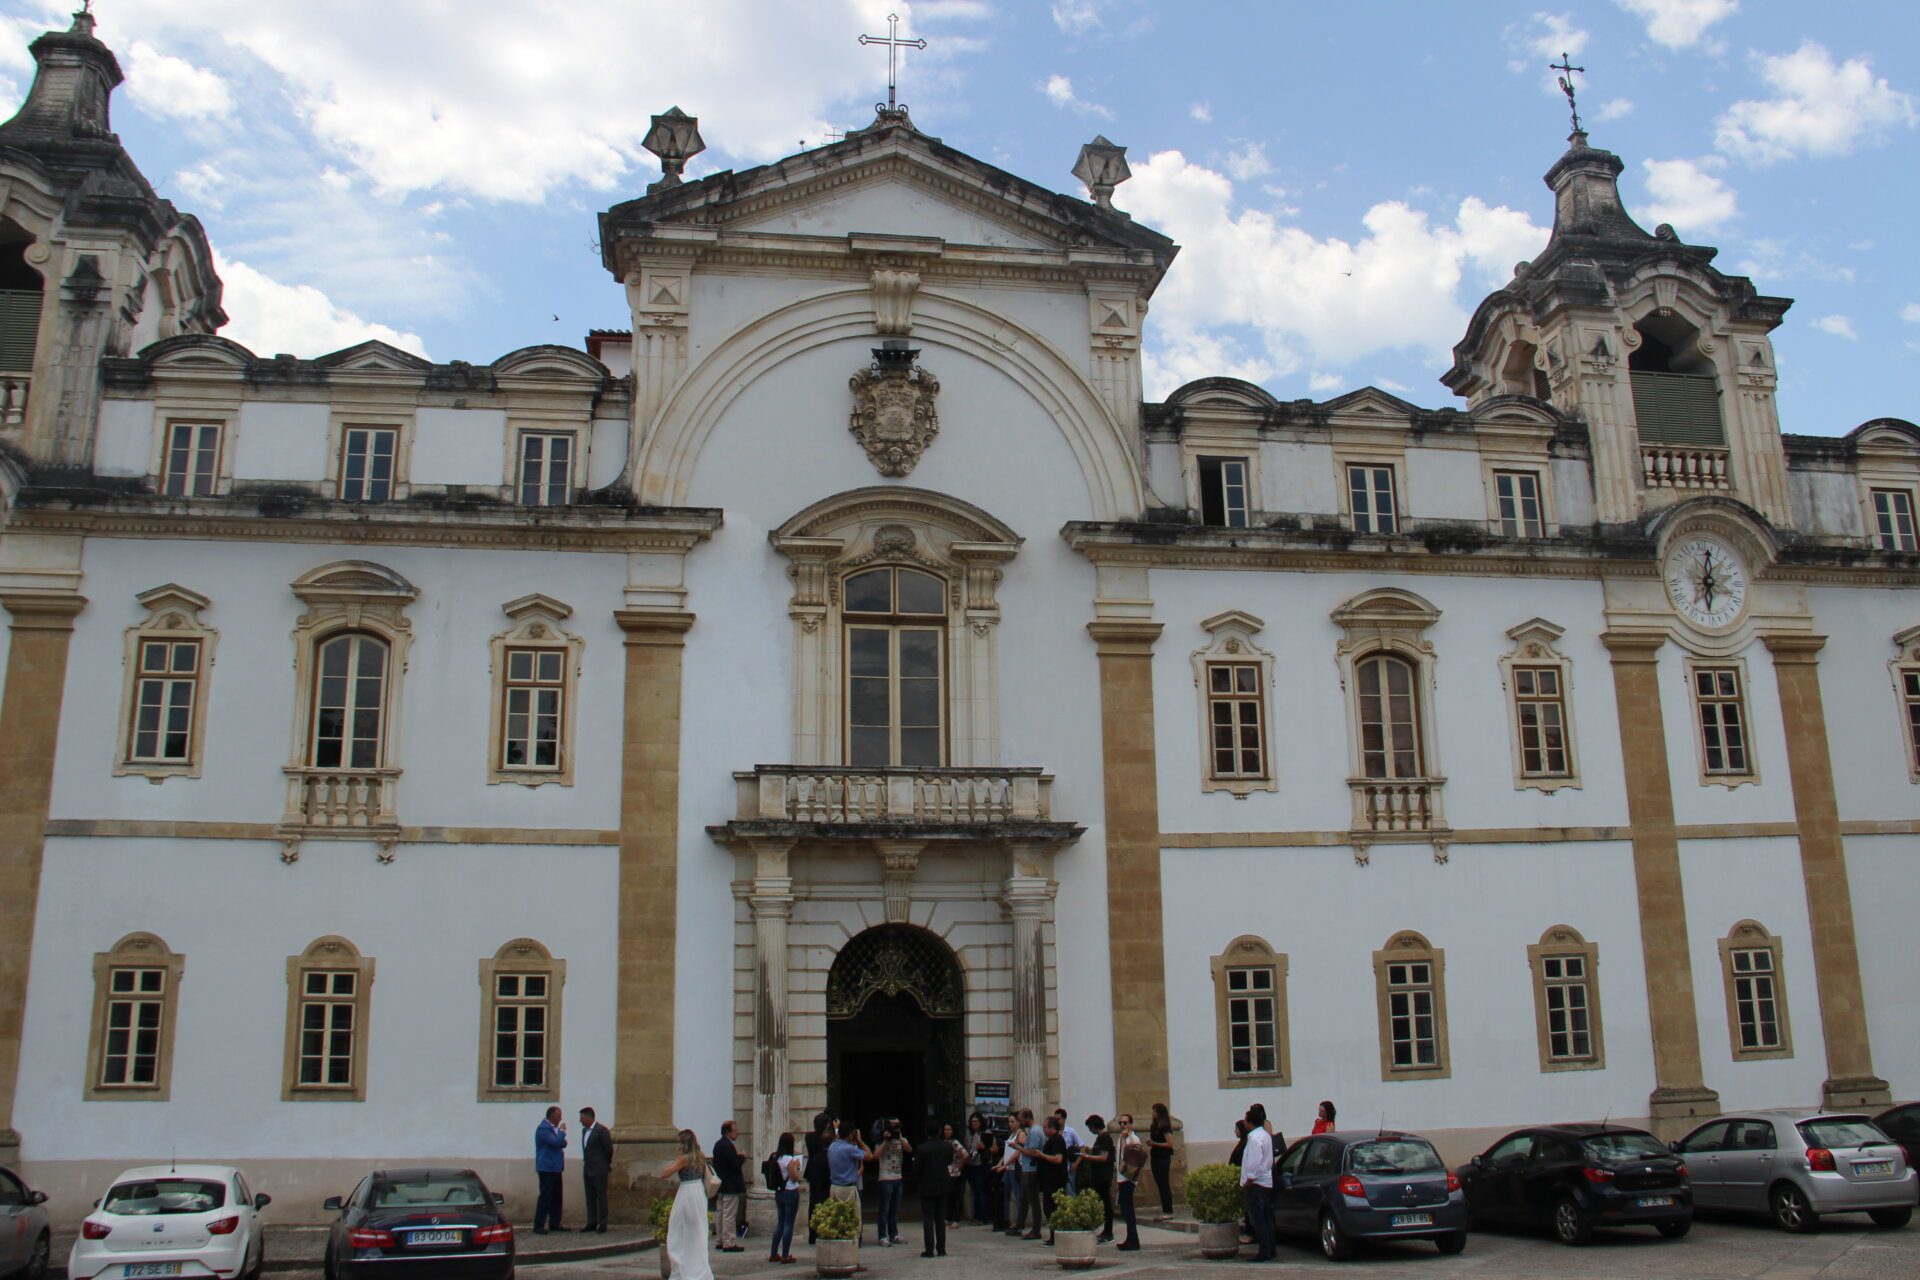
(1717, 1249)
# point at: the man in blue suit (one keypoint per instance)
(549, 1158)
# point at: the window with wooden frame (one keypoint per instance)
(1905, 670)
(1250, 1015)
(1225, 491)
(1409, 976)
(1756, 994)
(520, 1023)
(1566, 1000)
(329, 987)
(895, 621)
(1538, 680)
(190, 459)
(168, 657)
(1389, 717)
(1386, 669)
(546, 468)
(1233, 675)
(1520, 506)
(1720, 716)
(350, 701)
(136, 993)
(369, 460)
(1893, 520)
(1370, 498)
(536, 667)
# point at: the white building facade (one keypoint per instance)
(842, 690)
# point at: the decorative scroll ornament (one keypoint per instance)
(891, 960)
(893, 417)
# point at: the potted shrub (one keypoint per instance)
(658, 1214)
(1075, 1221)
(1213, 1193)
(837, 1224)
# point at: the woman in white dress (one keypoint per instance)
(687, 1226)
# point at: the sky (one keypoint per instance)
(1346, 180)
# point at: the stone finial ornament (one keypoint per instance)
(893, 415)
(675, 139)
(1102, 166)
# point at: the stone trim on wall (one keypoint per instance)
(1406, 947)
(1751, 935)
(144, 951)
(1535, 645)
(521, 956)
(330, 954)
(1230, 641)
(538, 623)
(173, 614)
(1249, 952)
(1565, 940)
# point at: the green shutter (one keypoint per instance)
(19, 326)
(1678, 408)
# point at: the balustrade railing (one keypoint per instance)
(326, 800)
(1675, 466)
(13, 398)
(1382, 806)
(955, 796)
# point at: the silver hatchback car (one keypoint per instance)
(1797, 1164)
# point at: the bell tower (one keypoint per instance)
(1666, 359)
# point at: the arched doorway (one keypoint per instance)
(896, 1012)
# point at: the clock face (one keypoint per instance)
(1706, 582)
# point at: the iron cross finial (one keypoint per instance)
(1566, 68)
(894, 45)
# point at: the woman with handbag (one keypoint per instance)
(687, 1225)
(1133, 1162)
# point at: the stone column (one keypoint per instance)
(1136, 948)
(42, 624)
(1823, 864)
(643, 1122)
(1680, 1094)
(771, 901)
(1027, 897)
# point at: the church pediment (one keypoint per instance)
(373, 356)
(897, 199)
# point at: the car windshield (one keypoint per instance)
(1624, 1146)
(428, 1191)
(1841, 1131)
(1393, 1156)
(164, 1195)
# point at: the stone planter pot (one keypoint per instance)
(1219, 1240)
(836, 1257)
(1074, 1250)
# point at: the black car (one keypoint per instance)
(420, 1224)
(1369, 1185)
(1902, 1124)
(1575, 1177)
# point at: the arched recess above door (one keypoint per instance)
(892, 960)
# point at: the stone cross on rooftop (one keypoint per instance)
(894, 45)
(1566, 68)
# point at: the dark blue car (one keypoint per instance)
(419, 1224)
(1342, 1187)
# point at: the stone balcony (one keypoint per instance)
(339, 804)
(1387, 807)
(835, 802)
(1694, 467)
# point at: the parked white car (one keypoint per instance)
(178, 1220)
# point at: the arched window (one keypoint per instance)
(1676, 393)
(1389, 715)
(20, 294)
(896, 668)
(350, 702)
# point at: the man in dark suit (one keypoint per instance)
(931, 1161)
(596, 1166)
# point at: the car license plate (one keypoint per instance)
(150, 1269)
(1872, 1168)
(1653, 1202)
(417, 1238)
(1412, 1219)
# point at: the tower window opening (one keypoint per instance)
(1676, 396)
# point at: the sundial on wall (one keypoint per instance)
(1706, 581)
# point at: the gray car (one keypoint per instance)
(24, 1235)
(1798, 1164)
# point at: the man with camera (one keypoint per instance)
(891, 1152)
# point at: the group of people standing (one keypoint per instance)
(1258, 1143)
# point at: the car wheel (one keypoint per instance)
(1891, 1219)
(1454, 1242)
(1791, 1210)
(37, 1260)
(259, 1261)
(1674, 1230)
(1333, 1241)
(326, 1267)
(1570, 1226)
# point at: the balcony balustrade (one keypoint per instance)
(13, 398)
(340, 804)
(929, 797)
(1388, 806)
(1672, 466)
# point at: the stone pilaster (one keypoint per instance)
(1027, 898)
(1680, 1094)
(771, 902)
(1136, 949)
(42, 624)
(643, 1122)
(1823, 864)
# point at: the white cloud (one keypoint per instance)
(1059, 91)
(1201, 111)
(1172, 358)
(1321, 383)
(1838, 326)
(1614, 109)
(1549, 36)
(950, 10)
(1307, 300)
(1687, 195)
(269, 317)
(1818, 109)
(201, 184)
(1249, 161)
(1679, 24)
(1388, 384)
(1911, 313)
(1076, 17)
(172, 88)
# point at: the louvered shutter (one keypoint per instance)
(19, 326)
(1678, 408)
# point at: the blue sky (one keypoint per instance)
(1346, 180)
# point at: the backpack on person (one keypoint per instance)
(771, 1171)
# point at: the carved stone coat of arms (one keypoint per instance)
(893, 415)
